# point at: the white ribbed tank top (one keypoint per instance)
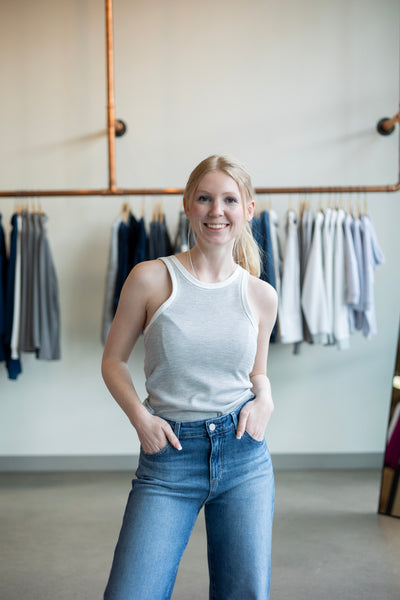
(200, 347)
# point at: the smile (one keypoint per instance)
(216, 225)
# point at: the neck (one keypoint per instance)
(210, 267)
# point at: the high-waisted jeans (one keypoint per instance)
(233, 479)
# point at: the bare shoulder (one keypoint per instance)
(262, 294)
(148, 286)
(150, 274)
(147, 282)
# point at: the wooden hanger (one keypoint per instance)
(124, 212)
(161, 212)
(349, 207)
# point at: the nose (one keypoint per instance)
(216, 208)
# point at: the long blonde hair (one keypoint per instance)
(246, 252)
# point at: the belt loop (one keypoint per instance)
(234, 419)
(177, 428)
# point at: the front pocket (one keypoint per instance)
(158, 453)
(253, 439)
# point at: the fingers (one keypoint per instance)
(155, 434)
(243, 416)
(171, 437)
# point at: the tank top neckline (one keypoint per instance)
(218, 284)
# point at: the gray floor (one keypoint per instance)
(58, 530)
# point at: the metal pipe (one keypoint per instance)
(179, 191)
(110, 96)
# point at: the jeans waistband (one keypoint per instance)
(207, 427)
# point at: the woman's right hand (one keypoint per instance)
(155, 433)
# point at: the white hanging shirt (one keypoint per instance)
(289, 309)
(372, 256)
(313, 296)
(352, 277)
(328, 239)
(341, 328)
(358, 309)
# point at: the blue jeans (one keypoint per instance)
(233, 479)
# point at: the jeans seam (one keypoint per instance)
(211, 573)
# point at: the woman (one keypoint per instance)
(207, 319)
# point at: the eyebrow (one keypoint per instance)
(223, 193)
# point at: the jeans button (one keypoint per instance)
(212, 426)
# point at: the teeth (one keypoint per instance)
(216, 226)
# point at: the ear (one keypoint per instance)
(250, 211)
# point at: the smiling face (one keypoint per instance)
(217, 212)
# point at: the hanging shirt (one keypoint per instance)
(305, 231)
(35, 312)
(130, 250)
(340, 310)
(262, 235)
(123, 260)
(28, 260)
(3, 284)
(352, 290)
(13, 365)
(372, 256)
(328, 239)
(140, 251)
(358, 307)
(154, 242)
(352, 278)
(276, 257)
(289, 309)
(269, 262)
(111, 278)
(49, 301)
(159, 243)
(313, 295)
(275, 249)
(305, 234)
(181, 243)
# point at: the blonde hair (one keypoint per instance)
(246, 252)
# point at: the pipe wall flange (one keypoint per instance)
(120, 128)
(380, 129)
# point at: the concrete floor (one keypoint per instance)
(58, 531)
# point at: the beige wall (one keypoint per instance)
(294, 89)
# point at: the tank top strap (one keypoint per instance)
(169, 263)
(245, 297)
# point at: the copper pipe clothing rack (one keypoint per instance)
(116, 127)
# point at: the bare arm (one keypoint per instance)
(146, 282)
(255, 414)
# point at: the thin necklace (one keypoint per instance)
(195, 272)
(192, 265)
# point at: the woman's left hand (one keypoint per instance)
(254, 418)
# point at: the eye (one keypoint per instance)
(231, 200)
(203, 198)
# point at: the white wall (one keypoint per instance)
(294, 89)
